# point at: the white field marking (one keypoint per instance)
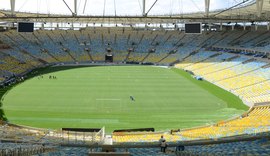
(108, 99)
(167, 67)
(72, 120)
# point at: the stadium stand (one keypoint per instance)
(252, 147)
(245, 76)
(257, 147)
(15, 133)
(60, 150)
(23, 149)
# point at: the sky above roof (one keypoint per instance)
(116, 7)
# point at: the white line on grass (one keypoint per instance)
(108, 99)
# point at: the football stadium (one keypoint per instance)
(138, 77)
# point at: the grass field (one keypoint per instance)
(100, 96)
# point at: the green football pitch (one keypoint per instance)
(93, 97)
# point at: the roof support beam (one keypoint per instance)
(207, 6)
(75, 7)
(230, 8)
(143, 11)
(127, 19)
(69, 8)
(151, 8)
(259, 5)
(12, 7)
(84, 5)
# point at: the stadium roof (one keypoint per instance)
(154, 11)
